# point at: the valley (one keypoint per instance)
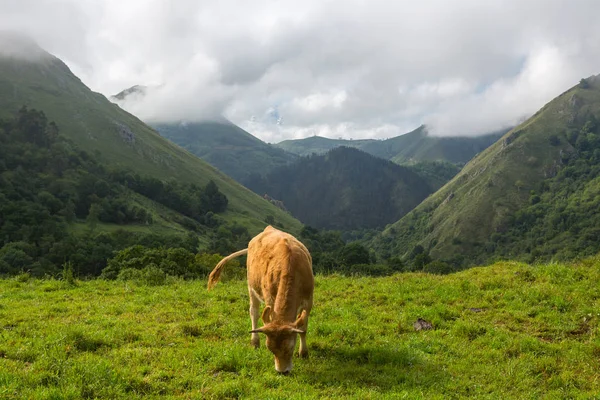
(406, 195)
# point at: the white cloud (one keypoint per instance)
(339, 68)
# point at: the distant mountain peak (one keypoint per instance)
(138, 94)
(21, 46)
(135, 90)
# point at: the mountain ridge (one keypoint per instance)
(219, 142)
(409, 148)
(117, 137)
(474, 215)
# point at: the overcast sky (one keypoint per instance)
(352, 69)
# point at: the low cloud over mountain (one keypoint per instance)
(338, 68)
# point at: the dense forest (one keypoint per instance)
(226, 146)
(53, 198)
(48, 187)
(344, 189)
(562, 219)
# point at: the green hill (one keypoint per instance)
(226, 146)
(318, 145)
(410, 148)
(418, 146)
(532, 195)
(39, 80)
(344, 189)
(506, 331)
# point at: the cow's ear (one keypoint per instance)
(301, 321)
(266, 315)
(266, 329)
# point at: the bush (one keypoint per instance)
(153, 276)
(396, 264)
(130, 274)
(176, 261)
(67, 274)
(23, 277)
(438, 267)
(355, 253)
(368, 270)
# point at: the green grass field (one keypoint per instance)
(505, 331)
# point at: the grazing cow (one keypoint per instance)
(280, 275)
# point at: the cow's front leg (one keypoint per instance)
(303, 350)
(254, 310)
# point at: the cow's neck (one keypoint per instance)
(285, 306)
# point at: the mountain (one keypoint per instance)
(344, 189)
(135, 90)
(221, 143)
(318, 145)
(418, 146)
(410, 148)
(435, 173)
(226, 146)
(532, 195)
(32, 77)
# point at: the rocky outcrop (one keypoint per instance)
(277, 203)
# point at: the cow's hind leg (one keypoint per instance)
(254, 311)
(303, 350)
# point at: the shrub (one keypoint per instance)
(67, 274)
(23, 277)
(438, 267)
(130, 274)
(368, 270)
(153, 276)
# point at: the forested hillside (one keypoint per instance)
(533, 195)
(345, 189)
(227, 147)
(217, 141)
(115, 138)
(55, 199)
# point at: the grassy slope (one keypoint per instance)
(226, 146)
(493, 185)
(509, 330)
(417, 146)
(93, 123)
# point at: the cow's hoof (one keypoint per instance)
(255, 343)
(303, 354)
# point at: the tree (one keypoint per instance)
(584, 83)
(355, 253)
(420, 261)
(14, 257)
(93, 216)
(214, 200)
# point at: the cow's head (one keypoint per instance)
(281, 338)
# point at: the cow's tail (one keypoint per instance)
(214, 276)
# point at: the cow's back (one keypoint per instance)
(274, 255)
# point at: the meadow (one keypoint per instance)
(509, 330)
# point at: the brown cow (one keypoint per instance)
(280, 274)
